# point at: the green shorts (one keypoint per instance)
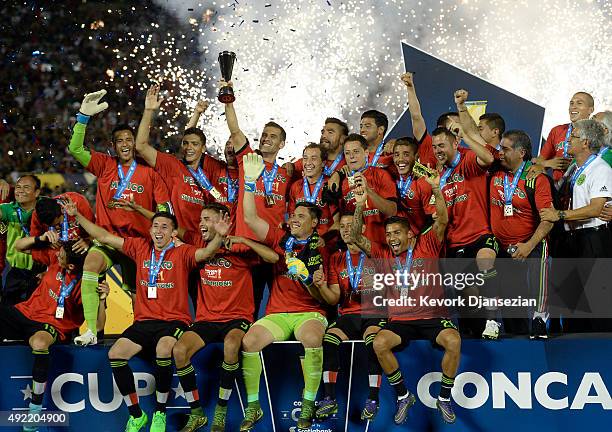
(283, 325)
(112, 256)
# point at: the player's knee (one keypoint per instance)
(452, 342)
(94, 262)
(164, 347)
(381, 343)
(312, 340)
(115, 353)
(180, 352)
(250, 342)
(231, 346)
(39, 343)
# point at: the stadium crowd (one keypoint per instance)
(195, 233)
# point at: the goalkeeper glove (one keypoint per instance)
(253, 166)
(91, 106)
(297, 268)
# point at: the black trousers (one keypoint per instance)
(19, 286)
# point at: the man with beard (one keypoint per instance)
(373, 127)
(294, 307)
(122, 183)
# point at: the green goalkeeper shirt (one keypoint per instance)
(10, 219)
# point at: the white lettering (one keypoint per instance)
(94, 395)
(502, 386)
(423, 388)
(540, 390)
(482, 390)
(602, 397)
(56, 393)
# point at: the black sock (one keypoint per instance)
(125, 382)
(187, 378)
(331, 361)
(40, 371)
(374, 369)
(226, 382)
(445, 387)
(163, 379)
(397, 382)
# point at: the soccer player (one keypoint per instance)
(310, 188)
(224, 313)
(406, 252)
(294, 306)
(381, 189)
(515, 204)
(414, 194)
(53, 311)
(121, 179)
(21, 278)
(48, 215)
(349, 282)
(194, 180)
(161, 309)
(373, 127)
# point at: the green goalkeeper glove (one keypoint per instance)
(253, 166)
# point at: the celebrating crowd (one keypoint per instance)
(194, 233)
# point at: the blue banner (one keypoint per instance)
(560, 385)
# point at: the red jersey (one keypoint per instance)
(42, 303)
(426, 154)
(145, 187)
(172, 302)
(296, 196)
(519, 227)
(384, 160)
(186, 196)
(353, 300)
(225, 291)
(75, 232)
(425, 266)
(382, 183)
(415, 203)
(553, 147)
(273, 214)
(465, 194)
(287, 294)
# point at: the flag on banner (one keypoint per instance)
(476, 109)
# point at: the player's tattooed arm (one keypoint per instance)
(356, 229)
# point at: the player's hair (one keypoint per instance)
(72, 257)
(398, 220)
(166, 215)
(315, 211)
(520, 140)
(380, 119)
(408, 142)
(494, 121)
(283, 134)
(442, 119)
(195, 131)
(318, 147)
(35, 179)
(218, 207)
(47, 210)
(592, 131)
(347, 213)
(441, 130)
(590, 99)
(343, 125)
(356, 137)
(122, 127)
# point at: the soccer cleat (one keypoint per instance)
(446, 410)
(158, 422)
(135, 424)
(87, 338)
(369, 410)
(218, 424)
(306, 415)
(32, 409)
(538, 329)
(194, 423)
(252, 414)
(403, 406)
(491, 330)
(327, 407)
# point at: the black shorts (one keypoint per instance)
(16, 326)
(215, 331)
(419, 329)
(353, 325)
(470, 250)
(148, 333)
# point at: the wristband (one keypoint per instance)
(249, 186)
(39, 243)
(82, 118)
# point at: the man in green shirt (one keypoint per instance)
(21, 278)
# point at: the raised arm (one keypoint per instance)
(264, 252)
(92, 229)
(441, 211)
(253, 166)
(91, 105)
(199, 109)
(222, 228)
(26, 244)
(386, 206)
(238, 138)
(153, 101)
(356, 229)
(469, 126)
(414, 107)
